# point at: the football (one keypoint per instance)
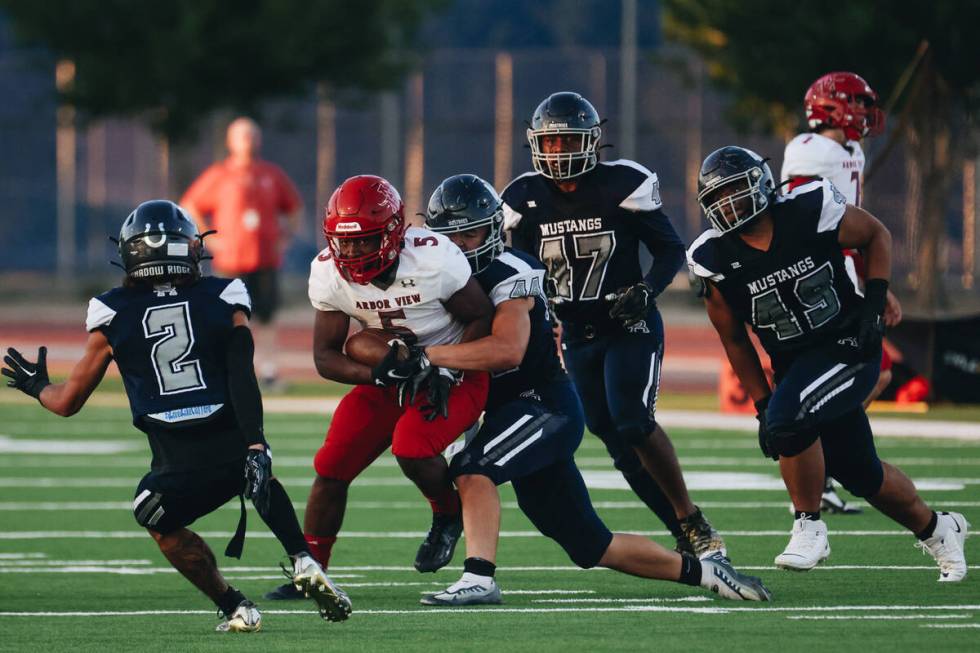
(369, 346)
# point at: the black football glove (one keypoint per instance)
(258, 473)
(410, 388)
(440, 385)
(28, 377)
(398, 365)
(871, 324)
(765, 443)
(630, 305)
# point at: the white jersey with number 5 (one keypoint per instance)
(812, 155)
(431, 269)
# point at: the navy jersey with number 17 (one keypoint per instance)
(589, 238)
(796, 295)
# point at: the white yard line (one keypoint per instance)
(727, 608)
(950, 626)
(876, 617)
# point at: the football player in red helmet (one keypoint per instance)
(841, 108)
(416, 285)
(364, 227)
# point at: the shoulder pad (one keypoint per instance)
(702, 256)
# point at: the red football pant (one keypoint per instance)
(369, 420)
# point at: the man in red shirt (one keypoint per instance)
(244, 198)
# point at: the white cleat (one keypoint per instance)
(245, 619)
(946, 546)
(468, 590)
(719, 576)
(312, 581)
(808, 546)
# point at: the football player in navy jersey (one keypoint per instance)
(183, 347)
(585, 219)
(775, 263)
(533, 423)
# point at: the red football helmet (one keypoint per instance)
(846, 101)
(363, 208)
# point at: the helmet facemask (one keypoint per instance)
(362, 268)
(746, 202)
(576, 161)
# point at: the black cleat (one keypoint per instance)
(285, 592)
(437, 549)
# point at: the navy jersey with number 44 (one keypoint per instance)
(798, 294)
(513, 275)
(589, 239)
(169, 344)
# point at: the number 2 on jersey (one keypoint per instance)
(170, 326)
(598, 247)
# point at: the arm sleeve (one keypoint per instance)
(656, 232)
(243, 388)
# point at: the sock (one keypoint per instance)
(803, 514)
(690, 570)
(479, 566)
(445, 502)
(929, 530)
(282, 521)
(229, 601)
(320, 547)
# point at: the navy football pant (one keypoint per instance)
(618, 377)
(820, 395)
(531, 442)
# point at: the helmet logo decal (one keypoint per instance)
(347, 227)
(149, 239)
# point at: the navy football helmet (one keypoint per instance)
(734, 185)
(464, 202)
(569, 115)
(159, 242)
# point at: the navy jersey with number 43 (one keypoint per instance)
(513, 275)
(798, 294)
(588, 239)
(169, 344)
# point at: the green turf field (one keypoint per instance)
(77, 572)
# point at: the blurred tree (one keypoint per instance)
(767, 52)
(172, 63)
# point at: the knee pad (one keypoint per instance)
(148, 509)
(327, 465)
(792, 438)
(635, 435)
(863, 479)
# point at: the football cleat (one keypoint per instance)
(833, 503)
(684, 545)
(719, 576)
(285, 592)
(468, 590)
(703, 538)
(946, 546)
(440, 544)
(808, 546)
(309, 578)
(245, 619)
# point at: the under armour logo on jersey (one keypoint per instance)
(639, 327)
(531, 204)
(407, 283)
(736, 265)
